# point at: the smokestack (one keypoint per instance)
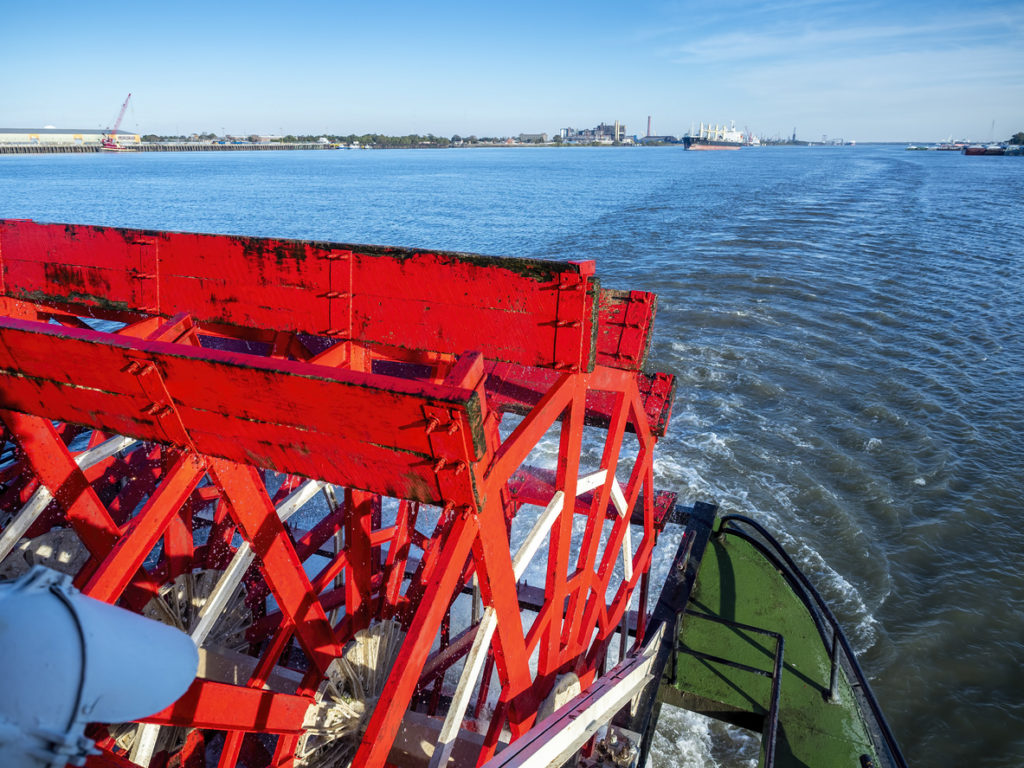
(648, 126)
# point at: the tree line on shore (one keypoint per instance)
(382, 141)
(377, 140)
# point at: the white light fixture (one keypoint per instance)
(70, 660)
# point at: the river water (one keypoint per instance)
(844, 324)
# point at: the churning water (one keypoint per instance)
(844, 324)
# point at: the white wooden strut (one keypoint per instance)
(42, 497)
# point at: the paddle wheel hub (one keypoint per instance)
(332, 466)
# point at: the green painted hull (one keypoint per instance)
(726, 671)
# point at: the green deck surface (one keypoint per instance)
(736, 583)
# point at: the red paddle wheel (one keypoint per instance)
(331, 465)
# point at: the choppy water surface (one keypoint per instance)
(844, 324)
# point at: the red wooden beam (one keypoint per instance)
(501, 307)
(493, 559)
(517, 389)
(144, 530)
(625, 323)
(258, 520)
(354, 429)
(359, 571)
(560, 542)
(595, 522)
(208, 704)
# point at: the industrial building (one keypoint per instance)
(63, 136)
(602, 134)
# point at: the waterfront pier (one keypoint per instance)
(178, 146)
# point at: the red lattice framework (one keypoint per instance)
(238, 377)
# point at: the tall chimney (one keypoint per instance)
(648, 126)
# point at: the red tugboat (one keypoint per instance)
(985, 149)
(110, 142)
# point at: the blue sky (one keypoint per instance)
(864, 71)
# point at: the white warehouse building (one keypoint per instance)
(63, 136)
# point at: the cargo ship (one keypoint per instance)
(714, 137)
(269, 502)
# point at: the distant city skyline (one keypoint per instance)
(866, 71)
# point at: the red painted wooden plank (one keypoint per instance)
(342, 426)
(493, 560)
(227, 260)
(319, 455)
(70, 244)
(505, 308)
(367, 407)
(460, 305)
(658, 393)
(208, 704)
(95, 265)
(120, 414)
(625, 323)
(231, 303)
(516, 389)
(284, 284)
(371, 405)
(358, 573)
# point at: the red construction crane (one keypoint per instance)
(110, 140)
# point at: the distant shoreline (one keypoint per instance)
(45, 149)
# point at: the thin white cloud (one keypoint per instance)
(907, 95)
(814, 40)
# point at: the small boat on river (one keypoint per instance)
(984, 149)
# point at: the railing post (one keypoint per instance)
(833, 680)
